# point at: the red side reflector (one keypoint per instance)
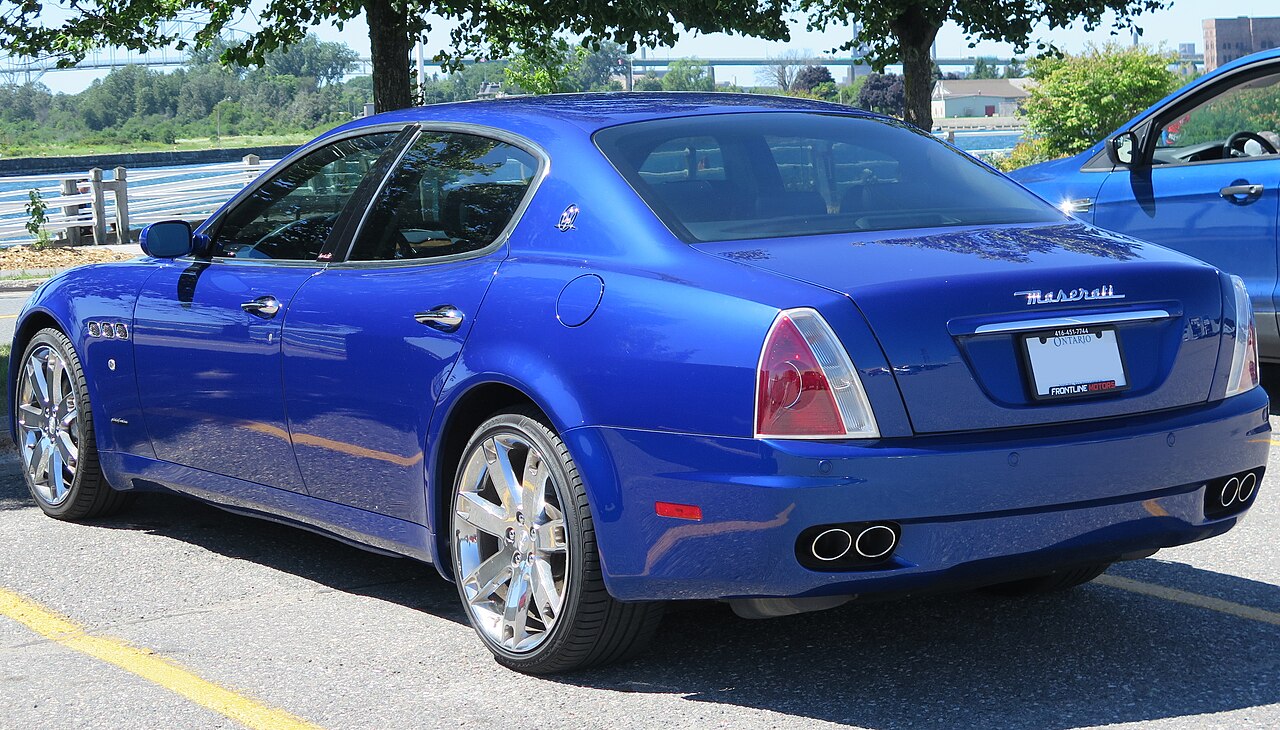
(678, 511)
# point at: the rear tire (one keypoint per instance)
(525, 559)
(54, 423)
(1051, 583)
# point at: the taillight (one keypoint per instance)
(806, 386)
(1244, 355)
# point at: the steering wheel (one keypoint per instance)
(1233, 150)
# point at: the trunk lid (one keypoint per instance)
(951, 308)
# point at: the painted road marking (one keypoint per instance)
(8, 316)
(149, 666)
(1238, 610)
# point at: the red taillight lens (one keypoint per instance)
(794, 394)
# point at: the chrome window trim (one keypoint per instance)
(476, 130)
(1027, 325)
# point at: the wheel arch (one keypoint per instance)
(467, 408)
(31, 323)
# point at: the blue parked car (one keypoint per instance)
(588, 354)
(1197, 172)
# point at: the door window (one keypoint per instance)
(290, 216)
(452, 194)
(1241, 121)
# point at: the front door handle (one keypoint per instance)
(446, 318)
(1246, 189)
(265, 307)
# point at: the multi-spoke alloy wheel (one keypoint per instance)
(525, 555)
(511, 542)
(48, 424)
(55, 432)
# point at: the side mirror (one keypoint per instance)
(166, 239)
(1122, 149)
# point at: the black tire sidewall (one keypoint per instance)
(88, 456)
(574, 515)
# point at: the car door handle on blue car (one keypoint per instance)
(1250, 192)
(265, 307)
(446, 318)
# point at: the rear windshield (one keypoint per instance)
(763, 175)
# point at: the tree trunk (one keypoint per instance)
(915, 34)
(389, 46)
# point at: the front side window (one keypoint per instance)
(290, 216)
(451, 194)
(799, 174)
(1242, 120)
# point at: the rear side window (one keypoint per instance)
(764, 175)
(451, 194)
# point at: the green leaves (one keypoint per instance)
(1080, 99)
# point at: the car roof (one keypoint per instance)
(536, 116)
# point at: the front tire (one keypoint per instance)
(55, 433)
(525, 556)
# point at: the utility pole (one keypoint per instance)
(422, 74)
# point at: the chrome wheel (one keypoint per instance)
(511, 547)
(48, 424)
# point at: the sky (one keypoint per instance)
(1180, 23)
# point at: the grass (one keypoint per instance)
(75, 149)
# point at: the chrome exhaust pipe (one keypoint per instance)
(831, 544)
(876, 541)
(1230, 491)
(1247, 484)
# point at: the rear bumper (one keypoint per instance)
(974, 509)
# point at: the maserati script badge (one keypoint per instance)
(1035, 296)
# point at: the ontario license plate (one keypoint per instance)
(1074, 361)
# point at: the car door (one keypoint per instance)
(1196, 194)
(207, 331)
(371, 340)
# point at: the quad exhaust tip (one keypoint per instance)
(850, 546)
(1231, 494)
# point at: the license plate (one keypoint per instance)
(1074, 361)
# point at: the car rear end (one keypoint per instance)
(1060, 396)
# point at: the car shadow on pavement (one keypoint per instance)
(1090, 656)
(289, 549)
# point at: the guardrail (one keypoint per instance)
(111, 208)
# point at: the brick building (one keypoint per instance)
(1226, 39)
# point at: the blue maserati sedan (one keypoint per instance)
(589, 354)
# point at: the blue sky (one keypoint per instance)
(1179, 24)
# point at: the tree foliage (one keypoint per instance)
(69, 29)
(882, 93)
(1080, 99)
(688, 74)
(902, 31)
(812, 75)
(781, 70)
(984, 69)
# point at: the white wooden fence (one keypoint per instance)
(101, 208)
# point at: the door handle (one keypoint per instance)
(265, 307)
(1246, 189)
(446, 318)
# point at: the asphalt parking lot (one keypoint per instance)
(178, 615)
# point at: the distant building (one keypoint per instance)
(977, 98)
(1226, 39)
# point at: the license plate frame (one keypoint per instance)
(1114, 372)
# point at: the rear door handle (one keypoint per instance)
(265, 307)
(446, 318)
(1247, 189)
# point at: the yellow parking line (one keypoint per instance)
(8, 316)
(1239, 610)
(147, 665)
